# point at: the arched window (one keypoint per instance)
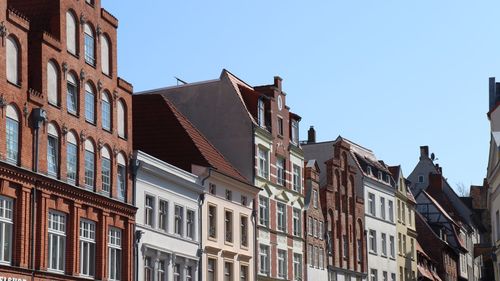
(122, 115)
(106, 111)
(89, 103)
(53, 83)
(106, 170)
(121, 181)
(89, 164)
(52, 150)
(71, 157)
(12, 134)
(13, 54)
(89, 45)
(71, 26)
(72, 93)
(105, 55)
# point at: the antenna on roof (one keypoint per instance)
(180, 81)
(433, 156)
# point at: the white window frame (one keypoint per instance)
(371, 204)
(190, 224)
(372, 241)
(71, 158)
(114, 254)
(263, 163)
(264, 260)
(163, 212)
(281, 217)
(282, 266)
(297, 182)
(280, 171)
(297, 222)
(228, 226)
(149, 210)
(6, 229)
(88, 242)
(56, 234)
(178, 220)
(382, 208)
(297, 267)
(263, 211)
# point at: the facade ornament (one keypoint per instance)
(115, 95)
(3, 32)
(115, 151)
(98, 31)
(83, 136)
(100, 144)
(83, 75)
(64, 129)
(65, 68)
(83, 19)
(99, 85)
(26, 111)
(3, 102)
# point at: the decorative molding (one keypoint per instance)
(64, 129)
(26, 110)
(99, 85)
(65, 68)
(83, 19)
(100, 144)
(83, 75)
(3, 32)
(83, 136)
(3, 102)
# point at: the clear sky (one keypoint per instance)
(389, 75)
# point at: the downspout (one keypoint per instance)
(135, 165)
(39, 116)
(201, 200)
(254, 213)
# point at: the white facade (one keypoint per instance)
(167, 215)
(381, 234)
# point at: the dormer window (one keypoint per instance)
(379, 175)
(420, 178)
(295, 131)
(368, 170)
(388, 178)
(261, 113)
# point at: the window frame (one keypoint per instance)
(58, 236)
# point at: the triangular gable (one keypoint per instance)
(282, 196)
(267, 190)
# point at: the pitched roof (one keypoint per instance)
(439, 207)
(162, 131)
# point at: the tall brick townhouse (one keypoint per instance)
(256, 132)
(66, 208)
(342, 203)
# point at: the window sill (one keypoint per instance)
(74, 114)
(17, 85)
(90, 122)
(107, 75)
(123, 137)
(213, 239)
(55, 105)
(73, 55)
(56, 271)
(87, 277)
(90, 63)
(109, 131)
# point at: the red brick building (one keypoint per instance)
(343, 208)
(65, 140)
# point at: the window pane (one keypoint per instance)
(72, 100)
(52, 155)
(12, 138)
(121, 182)
(89, 169)
(106, 174)
(71, 162)
(89, 49)
(89, 106)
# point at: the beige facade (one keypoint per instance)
(405, 226)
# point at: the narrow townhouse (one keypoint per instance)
(314, 225)
(227, 241)
(405, 225)
(66, 138)
(168, 220)
(342, 201)
(419, 178)
(254, 129)
(427, 269)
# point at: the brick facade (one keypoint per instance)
(39, 28)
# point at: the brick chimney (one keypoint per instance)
(277, 82)
(435, 185)
(311, 135)
(424, 152)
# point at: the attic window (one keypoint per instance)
(420, 178)
(379, 175)
(211, 188)
(388, 178)
(261, 113)
(369, 170)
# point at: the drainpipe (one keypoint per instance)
(39, 116)
(135, 165)
(201, 200)
(254, 212)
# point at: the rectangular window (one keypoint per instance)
(89, 107)
(310, 228)
(161, 270)
(163, 215)
(412, 245)
(263, 211)
(212, 221)
(106, 174)
(403, 212)
(346, 246)
(404, 245)
(72, 101)
(57, 241)
(244, 231)
(384, 276)
(384, 244)
(228, 225)
(228, 271)
(121, 182)
(316, 256)
(71, 162)
(229, 195)
(52, 155)
(263, 163)
(281, 217)
(391, 211)
(190, 223)
(261, 113)
(6, 226)
(321, 259)
(373, 241)
(360, 250)
(297, 223)
(296, 178)
(280, 166)
(310, 255)
(87, 248)
(189, 273)
(400, 245)
(297, 267)
(243, 273)
(106, 114)
(89, 49)
(373, 275)
(399, 210)
(392, 246)
(211, 269)
(114, 253)
(382, 208)
(177, 272)
(371, 204)
(89, 169)
(321, 232)
(179, 220)
(315, 199)
(497, 218)
(393, 277)
(12, 139)
(149, 210)
(282, 264)
(148, 269)
(264, 260)
(243, 200)
(295, 132)
(280, 126)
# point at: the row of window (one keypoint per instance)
(282, 258)
(281, 216)
(406, 274)
(315, 228)
(229, 269)
(159, 272)
(54, 161)
(228, 226)
(404, 209)
(57, 240)
(386, 177)
(228, 195)
(157, 215)
(385, 275)
(261, 120)
(316, 256)
(373, 244)
(263, 170)
(72, 43)
(402, 250)
(383, 209)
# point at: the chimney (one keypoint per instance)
(493, 94)
(424, 152)
(277, 82)
(435, 184)
(311, 135)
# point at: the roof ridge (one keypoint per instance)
(178, 114)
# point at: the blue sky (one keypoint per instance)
(389, 75)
